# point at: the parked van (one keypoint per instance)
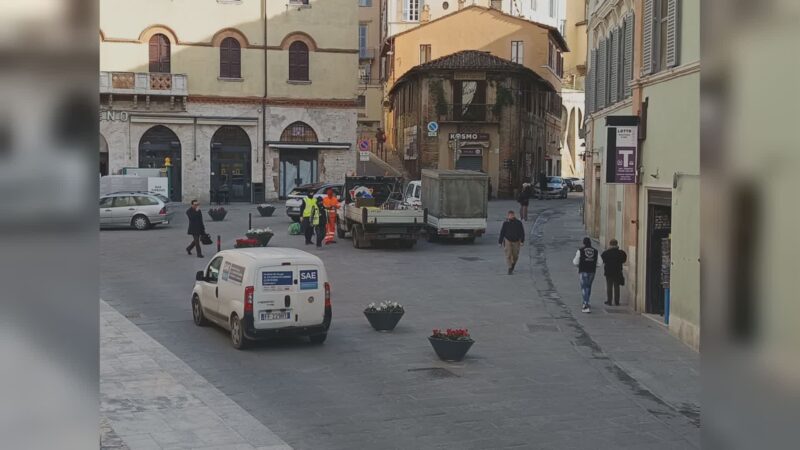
(259, 293)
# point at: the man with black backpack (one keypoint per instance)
(587, 259)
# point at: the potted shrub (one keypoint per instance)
(262, 235)
(451, 344)
(266, 210)
(217, 214)
(384, 317)
(246, 243)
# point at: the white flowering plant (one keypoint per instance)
(262, 235)
(385, 307)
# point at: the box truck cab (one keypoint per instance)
(413, 194)
(259, 293)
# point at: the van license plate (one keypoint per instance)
(275, 315)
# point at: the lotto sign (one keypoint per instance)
(309, 279)
(622, 151)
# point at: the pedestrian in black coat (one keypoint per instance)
(196, 228)
(613, 259)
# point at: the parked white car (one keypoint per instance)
(259, 293)
(412, 196)
(556, 188)
(294, 200)
(133, 210)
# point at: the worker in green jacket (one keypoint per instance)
(308, 208)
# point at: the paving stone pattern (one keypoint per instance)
(540, 374)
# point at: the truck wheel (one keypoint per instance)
(470, 240)
(432, 236)
(356, 231)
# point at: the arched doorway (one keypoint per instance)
(103, 156)
(298, 163)
(158, 143)
(230, 164)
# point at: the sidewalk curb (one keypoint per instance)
(150, 399)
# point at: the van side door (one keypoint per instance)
(232, 283)
(210, 289)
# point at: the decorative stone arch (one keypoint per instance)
(299, 132)
(220, 35)
(152, 30)
(299, 36)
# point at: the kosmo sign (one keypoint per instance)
(622, 150)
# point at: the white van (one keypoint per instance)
(259, 293)
(413, 194)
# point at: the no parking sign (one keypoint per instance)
(433, 129)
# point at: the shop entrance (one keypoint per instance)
(471, 158)
(158, 143)
(230, 165)
(659, 224)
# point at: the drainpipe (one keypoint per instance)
(264, 111)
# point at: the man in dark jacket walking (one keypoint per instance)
(196, 228)
(613, 259)
(512, 237)
(587, 259)
(542, 185)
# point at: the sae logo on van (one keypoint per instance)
(309, 279)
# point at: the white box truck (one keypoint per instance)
(457, 202)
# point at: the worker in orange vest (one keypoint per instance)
(331, 203)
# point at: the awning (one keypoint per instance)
(309, 145)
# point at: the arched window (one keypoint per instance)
(159, 54)
(230, 58)
(298, 61)
(298, 132)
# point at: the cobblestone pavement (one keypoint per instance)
(540, 375)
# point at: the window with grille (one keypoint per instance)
(365, 3)
(230, 58)
(298, 61)
(363, 30)
(517, 51)
(298, 132)
(365, 73)
(411, 10)
(424, 53)
(159, 54)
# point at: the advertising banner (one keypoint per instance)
(622, 151)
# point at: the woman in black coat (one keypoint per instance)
(196, 228)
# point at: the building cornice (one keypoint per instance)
(666, 75)
(276, 101)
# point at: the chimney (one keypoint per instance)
(461, 4)
(496, 4)
(425, 16)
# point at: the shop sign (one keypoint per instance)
(114, 116)
(468, 136)
(622, 151)
(471, 152)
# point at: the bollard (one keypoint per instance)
(666, 306)
(219, 243)
(249, 221)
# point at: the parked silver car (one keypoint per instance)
(138, 210)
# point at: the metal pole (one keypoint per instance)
(249, 221)
(219, 243)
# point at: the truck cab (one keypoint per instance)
(412, 196)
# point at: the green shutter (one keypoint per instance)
(601, 75)
(628, 68)
(647, 37)
(673, 27)
(614, 88)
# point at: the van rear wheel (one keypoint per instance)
(318, 338)
(237, 333)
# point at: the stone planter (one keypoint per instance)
(383, 321)
(450, 350)
(266, 211)
(263, 239)
(217, 215)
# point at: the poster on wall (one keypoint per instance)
(410, 141)
(622, 151)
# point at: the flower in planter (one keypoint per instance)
(247, 243)
(386, 307)
(457, 334)
(262, 235)
(219, 210)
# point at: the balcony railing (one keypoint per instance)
(143, 83)
(469, 113)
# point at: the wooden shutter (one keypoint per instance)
(230, 58)
(614, 85)
(298, 61)
(628, 68)
(591, 83)
(673, 22)
(648, 32)
(159, 54)
(602, 77)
